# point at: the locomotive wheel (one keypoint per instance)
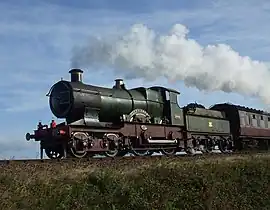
(150, 152)
(112, 145)
(190, 151)
(54, 152)
(224, 146)
(140, 115)
(76, 154)
(77, 148)
(168, 152)
(209, 146)
(121, 153)
(141, 152)
(112, 153)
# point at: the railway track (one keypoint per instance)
(116, 160)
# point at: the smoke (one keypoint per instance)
(142, 53)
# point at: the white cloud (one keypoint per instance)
(141, 53)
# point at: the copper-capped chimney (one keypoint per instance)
(119, 84)
(76, 75)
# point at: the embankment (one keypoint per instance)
(230, 183)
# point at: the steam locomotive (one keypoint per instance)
(115, 121)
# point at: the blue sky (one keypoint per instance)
(37, 38)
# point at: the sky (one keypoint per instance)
(37, 39)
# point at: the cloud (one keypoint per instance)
(142, 53)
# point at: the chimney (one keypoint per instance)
(119, 84)
(76, 75)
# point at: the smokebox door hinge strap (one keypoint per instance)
(50, 91)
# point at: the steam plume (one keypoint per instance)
(142, 53)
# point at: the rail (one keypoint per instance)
(218, 156)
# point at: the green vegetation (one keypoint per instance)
(232, 183)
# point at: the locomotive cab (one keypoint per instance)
(172, 110)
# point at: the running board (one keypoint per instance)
(161, 141)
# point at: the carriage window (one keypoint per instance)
(262, 122)
(242, 120)
(268, 123)
(247, 120)
(254, 121)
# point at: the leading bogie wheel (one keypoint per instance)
(56, 152)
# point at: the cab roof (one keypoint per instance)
(164, 88)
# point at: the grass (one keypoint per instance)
(232, 183)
